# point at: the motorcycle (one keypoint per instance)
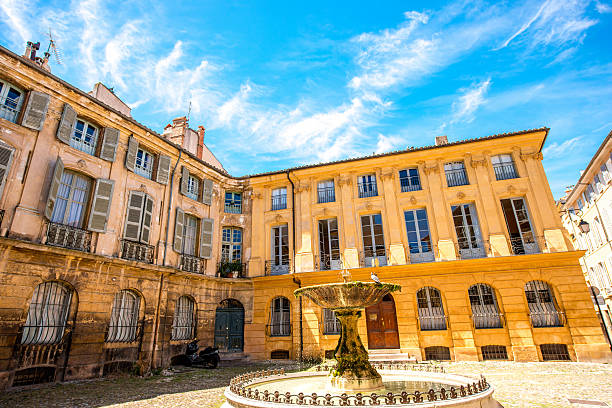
(208, 358)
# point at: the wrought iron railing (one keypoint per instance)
(234, 269)
(488, 320)
(8, 109)
(472, 253)
(193, 264)
(332, 327)
(519, 247)
(368, 189)
(233, 208)
(406, 185)
(456, 177)
(422, 257)
(125, 331)
(326, 194)
(504, 171)
(279, 202)
(65, 236)
(429, 323)
(30, 351)
(547, 318)
(137, 251)
(373, 257)
(326, 262)
(278, 330)
(277, 267)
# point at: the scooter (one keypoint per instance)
(208, 358)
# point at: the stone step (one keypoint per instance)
(233, 356)
(384, 351)
(390, 355)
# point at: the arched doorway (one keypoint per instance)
(229, 326)
(382, 325)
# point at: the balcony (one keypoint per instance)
(136, 251)
(547, 318)
(278, 330)
(65, 236)
(233, 208)
(422, 257)
(277, 268)
(234, 269)
(327, 263)
(456, 178)
(430, 323)
(519, 247)
(326, 194)
(8, 110)
(279, 202)
(477, 251)
(367, 189)
(373, 258)
(193, 264)
(504, 171)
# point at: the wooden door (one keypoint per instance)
(382, 325)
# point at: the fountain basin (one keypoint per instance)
(350, 295)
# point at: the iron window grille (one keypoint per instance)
(47, 315)
(233, 203)
(137, 251)
(84, 137)
(439, 353)
(11, 100)
(485, 312)
(326, 192)
(431, 309)
(367, 186)
(554, 352)
(279, 199)
(409, 180)
(494, 352)
(503, 167)
(279, 355)
(542, 305)
(455, 174)
(123, 326)
(143, 165)
(280, 317)
(331, 324)
(183, 324)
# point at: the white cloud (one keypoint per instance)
(387, 143)
(602, 8)
(467, 104)
(556, 150)
(18, 14)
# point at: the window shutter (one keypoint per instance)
(130, 156)
(147, 216)
(55, 182)
(6, 158)
(163, 169)
(109, 144)
(36, 110)
(207, 187)
(184, 180)
(100, 207)
(206, 234)
(131, 230)
(178, 230)
(64, 130)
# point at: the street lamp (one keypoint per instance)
(584, 226)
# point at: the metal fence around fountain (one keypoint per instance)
(240, 386)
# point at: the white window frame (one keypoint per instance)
(501, 161)
(190, 234)
(71, 203)
(230, 246)
(193, 187)
(367, 186)
(421, 255)
(326, 191)
(77, 137)
(7, 112)
(145, 170)
(277, 195)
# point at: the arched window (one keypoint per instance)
(280, 319)
(183, 325)
(485, 312)
(123, 325)
(47, 315)
(542, 306)
(431, 310)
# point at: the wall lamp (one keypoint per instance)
(582, 225)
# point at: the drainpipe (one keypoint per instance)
(295, 280)
(170, 206)
(605, 331)
(156, 322)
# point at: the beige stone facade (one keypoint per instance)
(120, 245)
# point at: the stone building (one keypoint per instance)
(587, 215)
(120, 245)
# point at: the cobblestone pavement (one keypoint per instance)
(517, 385)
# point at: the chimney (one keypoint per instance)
(176, 133)
(201, 132)
(45, 62)
(441, 140)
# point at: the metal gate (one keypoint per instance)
(485, 313)
(542, 308)
(229, 326)
(431, 310)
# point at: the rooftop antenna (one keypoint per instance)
(53, 48)
(188, 113)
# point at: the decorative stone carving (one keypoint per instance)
(460, 195)
(278, 218)
(387, 175)
(479, 162)
(344, 181)
(532, 155)
(81, 164)
(256, 195)
(142, 188)
(369, 206)
(432, 169)
(511, 189)
(413, 200)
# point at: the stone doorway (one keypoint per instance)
(382, 325)
(229, 326)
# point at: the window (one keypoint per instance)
(183, 325)
(590, 193)
(580, 203)
(11, 99)
(431, 310)
(598, 233)
(233, 203)
(419, 240)
(193, 187)
(554, 352)
(329, 245)
(186, 239)
(604, 276)
(138, 217)
(123, 325)
(542, 306)
(6, 158)
(279, 264)
(598, 184)
(439, 353)
(469, 239)
(494, 353)
(485, 313)
(231, 245)
(190, 229)
(503, 166)
(455, 174)
(144, 163)
(522, 238)
(84, 137)
(280, 317)
(605, 173)
(326, 192)
(373, 240)
(331, 324)
(279, 198)
(47, 315)
(409, 180)
(367, 186)
(71, 202)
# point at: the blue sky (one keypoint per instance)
(278, 84)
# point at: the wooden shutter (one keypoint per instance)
(163, 169)
(109, 144)
(184, 180)
(178, 230)
(100, 207)
(147, 217)
(206, 234)
(36, 110)
(133, 217)
(6, 158)
(64, 130)
(55, 182)
(207, 187)
(130, 156)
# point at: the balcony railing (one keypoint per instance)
(472, 253)
(8, 111)
(372, 258)
(193, 264)
(487, 320)
(64, 236)
(429, 323)
(332, 327)
(326, 262)
(520, 248)
(233, 208)
(278, 329)
(326, 194)
(367, 189)
(277, 267)
(422, 257)
(408, 186)
(547, 318)
(234, 269)
(137, 251)
(504, 171)
(279, 202)
(456, 177)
